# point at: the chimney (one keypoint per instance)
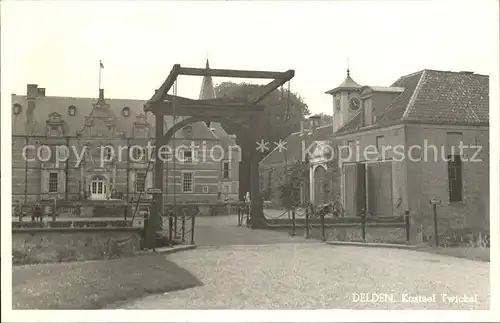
(101, 94)
(32, 91)
(31, 95)
(41, 92)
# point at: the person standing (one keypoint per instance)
(37, 213)
(18, 211)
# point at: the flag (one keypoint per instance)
(101, 64)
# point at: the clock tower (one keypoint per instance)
(346, 101)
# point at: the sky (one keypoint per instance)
(58, 44)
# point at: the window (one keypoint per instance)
(225, 170)
(53, 182)
(137, 153)
(349, 149)
(455, 177)
(54, 131)
(71, 110)
(17, 109)
(108, 153)
(205, 189)
(187, 156)
(140, 182)
(187, 132)
(126, 111)
(379, 142)
(187, 182)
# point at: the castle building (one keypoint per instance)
(107, 158)
(397, 148)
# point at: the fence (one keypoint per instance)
(317, 224)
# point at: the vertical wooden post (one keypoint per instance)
(436, 234)
(407, 223)
(323, 237)
(26, 173)
(170, 226)
(66, 169)
(293, 222)
(128, 171)
(184, 227)
(175, 222)
(363, 224)
(257, 215)
(247, 210)
(192, 228)
(239, 215)
(306, 234)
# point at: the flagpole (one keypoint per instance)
(100, 64)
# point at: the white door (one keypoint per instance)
(98, 189)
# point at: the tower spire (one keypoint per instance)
(348, 70)
(207, 90)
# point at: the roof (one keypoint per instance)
(208, 92)
(348, 84)
(85, 107)
(207, 86)
(384, 88)
(46, 105)
(431, 96)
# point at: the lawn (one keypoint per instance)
(481, 254)
(95, 284)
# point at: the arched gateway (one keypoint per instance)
(239, 116)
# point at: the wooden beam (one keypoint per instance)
(272, 86)
(204, 110)
(218, 101)
(231, 73)
(165, 87)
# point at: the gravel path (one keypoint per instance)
(316, 275)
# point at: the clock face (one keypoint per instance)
(354, 104)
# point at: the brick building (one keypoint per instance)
(89, 125)
(393, 165)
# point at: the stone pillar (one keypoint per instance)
(155, 220)
(257, 213)
(311, 184)
(244, 172)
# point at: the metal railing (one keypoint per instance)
(181, 223)
(308, 218)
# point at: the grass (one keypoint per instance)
(471, 253)
(95, 284)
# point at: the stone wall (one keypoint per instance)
(428, 178)
(41, 245)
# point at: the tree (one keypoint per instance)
(297, 175)
(325, 119)
(282, 117)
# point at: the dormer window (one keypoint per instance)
(72, 110)
(17, 109)
(54, 131)
(187, 131)
(126, 112)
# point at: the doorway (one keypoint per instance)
(97, 188)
